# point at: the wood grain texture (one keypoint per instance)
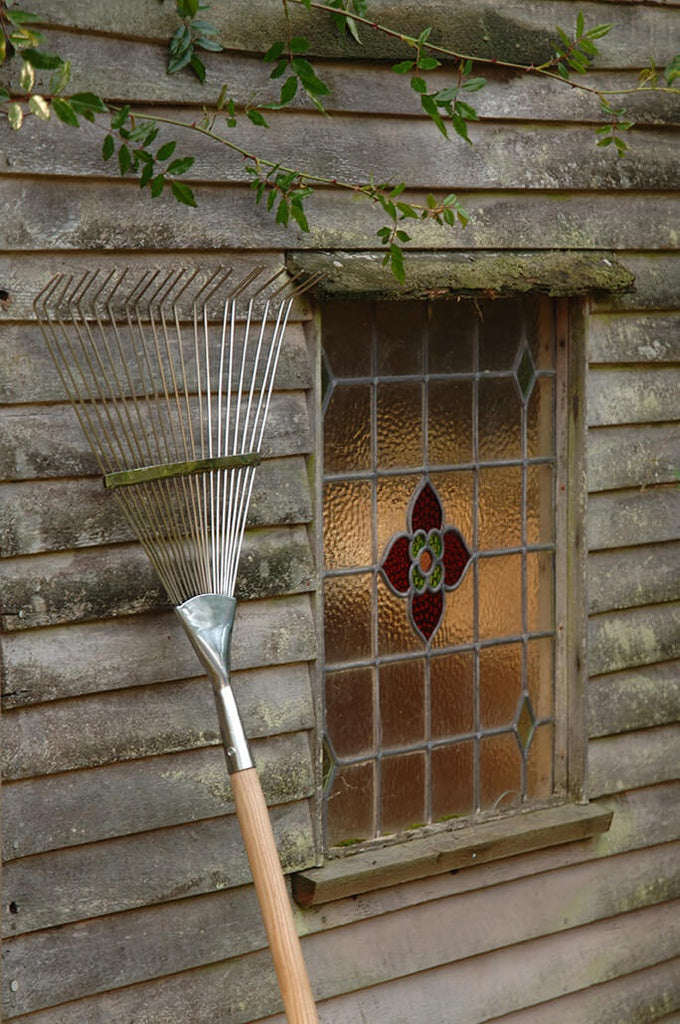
(633, 576)
(633, 759)
(632, 456)
(637, 699)
(640, 394)
(637, 636)
(627, 518)
(617, 338)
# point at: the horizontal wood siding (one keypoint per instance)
(127, 893)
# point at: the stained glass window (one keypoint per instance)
(439, 561)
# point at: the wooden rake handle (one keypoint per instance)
(272, 893)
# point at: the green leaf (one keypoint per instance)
(147, 173)
(157, 186)
(108, 147)
(42, 60)
(419, 85)
(672, 70)
(403, 236)
(474, 84)
(181, 166)
(27, 76)
(176, 64)
(222, 98)
(38, 105)
(580, 24)
(206, 43)
(4, 95)
(199, 68)
(84, 101)
(64, 111)
(274, 52)
(61, 77)
(406, 210)
(299, 44)
(403, 67)
(118, 118)
(397, 263)
(466, 111)
(15, 116)
(599, 31)
(124, 159)
(182, 193)
(604, 142)
(256, 118)
(282, 212)
(18, 17)
(187, 8)
(298, 215)
(428, 63)
(288, 90)
(424, 35)
(166, 150)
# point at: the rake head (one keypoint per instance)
(171, 376)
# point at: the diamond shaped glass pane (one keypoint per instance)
(525, 374)
(525, 724)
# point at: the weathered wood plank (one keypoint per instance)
(632, 517)
(632, 760)
(656, 283)
(640, 699)
(637, 874)
(27, 373)
(146, 721)
(64, 661)
(615, 338)
(118, 874)
(529, 155)
(638, 998)
(47, 441)
(637, 636)
(638, 456)
(225, 215)
(639, 394)
(92, 583)
(44, 516)
(137, 71)
(72, 808)
(521, 32)
(628, 577)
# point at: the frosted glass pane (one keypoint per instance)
(349, 711)
(402, 792)
(400, 425)
(453, 781)
(402, 703)
(393, 494)
(500, 772)
(396, 635)
(350, 802)
(347, 336)
(449, 422)
(500, 334)
(457, 625)
(539, 764)
(540, 419)
(540, 517)
(540, 676)
(453, 329)
(347, 430)
(400, 328)
(500, 420)
(347, 618)
(500, 596)
(500, 507)
(500, 684)
(539, 591)
(452, 700)
(347, 521)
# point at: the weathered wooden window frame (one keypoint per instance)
(377, 864)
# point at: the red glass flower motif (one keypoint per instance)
(425, 562)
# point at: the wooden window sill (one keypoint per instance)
(380, 867)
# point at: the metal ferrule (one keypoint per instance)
(208, 620)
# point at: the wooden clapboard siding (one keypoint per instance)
(127, 895)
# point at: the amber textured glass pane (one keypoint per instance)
(540, 676)
(453, 792)
(540, 516)
(500, 772)
(347, 618)
(456, 492)
(402, 792)
(400, 329)
(540, 419)
(349, 711)
(350, 803)
(457, 626)
(500, 507)
(400, 425)
(347, 335)
(449, 422)
(402, 703)
(393, 497)
(396, 635)
(452, 331)
(347, 430)
(500, 334)
(500, 684)
(500, 596)
(452, 700)
(500, 420)
(540, 591)
(539, 764)
(347, 524)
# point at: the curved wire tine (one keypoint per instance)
(180, 293)
(244, 283)
(79, 293)
(145, 281)
(109, 300)
(45, 295)
(223, 273)
(95, 297)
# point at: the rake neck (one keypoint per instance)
(208, 620)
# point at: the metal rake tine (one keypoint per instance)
(182, 290)
(223, 274)
(245, 282)
(95, 297)
(44, 296)
(145, 281)
(115, 288)
(79, 294)
(161, 290)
